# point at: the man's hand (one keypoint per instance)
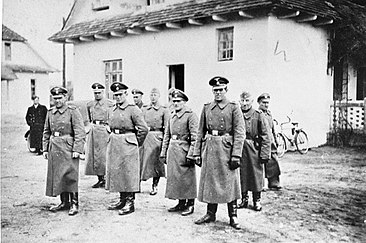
(189, 162)
(162, 159)
(263, 161)
(198, 161)
(45, 155)
(75, 155)
(234, 163)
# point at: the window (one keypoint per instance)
(361, 83)
(153, 2)
(8, 51)
(33, 87)
(225, 44)
(113, 73)
(100, 5)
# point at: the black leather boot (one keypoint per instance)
(120, 204)
(233, 214)
(100, 183)
(244, 200)
(74, 199)
(210, 216)
(129, 206)
(64, 205)
(179, 207)
(189, 208)
(257, 201)
(154, 189)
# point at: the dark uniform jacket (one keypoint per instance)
(97, 136)
(63, 134)
(256, 146)
(178, 145)
(220, 137)
(128, 131)
(35, 119)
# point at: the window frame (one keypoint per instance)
(225, 44)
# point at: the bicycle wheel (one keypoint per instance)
(281, 147)
(301, 142)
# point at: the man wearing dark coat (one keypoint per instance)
(177, 151)
(219, 148)
(128, 132)
(36, 116)
(256, 152)
(272, 168)
(63, 142)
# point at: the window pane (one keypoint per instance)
(120, 78)
(107, 67)
(114, 78)
(225, 44)
(120, 65)
(114, 66)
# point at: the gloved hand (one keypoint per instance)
(75, 155)
(162, 160)
(263, 161)
(234, 163)
(189, 162)
(45, 155)
(198, 161)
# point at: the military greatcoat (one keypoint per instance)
(220, 136)
(272, 168)
(178, 145)
(256, 146)
(97, 136)
(156, 117)
(128, 131)
(63, 134)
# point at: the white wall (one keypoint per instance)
(299, 84)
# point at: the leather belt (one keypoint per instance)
(121, 131)
(97, 122)
(156, 129)
(217, 133)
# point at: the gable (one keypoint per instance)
(10, 35)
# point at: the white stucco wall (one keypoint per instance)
(299, 84)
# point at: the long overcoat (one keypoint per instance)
(272, 168)
(178, 145)
(63, 134)
(219, 184)
(36, 118)
(256, 145)
(156, 117)
(97, 136)
(123, 165)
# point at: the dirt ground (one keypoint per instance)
(323, 200)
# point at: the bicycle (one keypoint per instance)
(293, 136)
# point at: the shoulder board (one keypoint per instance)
(72, 107)
(51, 108)
(207, 103)
(145, 105)
(259, 111)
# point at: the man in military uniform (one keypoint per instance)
(128, 132)
(256, 152)
(156, 117)
(35, 117)
(137, 97)
(272, 168)
(178, 145)
(97, 112)
(219, 146)
(63, 142)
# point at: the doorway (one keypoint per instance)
(176, 76)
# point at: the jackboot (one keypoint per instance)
(64, 205)
(129, 206)
(74, 199)
(257, 201)
(154, 189)
(210, 216)
(100, 183)
(179, 207)
(189, 208)
(120, 204)
(233, 214)
(244, 200)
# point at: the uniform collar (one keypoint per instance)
(180, 113)
(121, 106)
(61, 110)
(100, 102)
(156, 106)
(249, 114)
(221, 104)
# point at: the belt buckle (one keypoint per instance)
(97, 122)
(116, 131)
(174, 137)
(56, 134)
(215, 132)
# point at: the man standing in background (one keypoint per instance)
(137, 97)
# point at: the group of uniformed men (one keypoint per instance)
(130, 143)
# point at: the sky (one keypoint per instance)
(37, 20)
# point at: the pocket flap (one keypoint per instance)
(131, 140)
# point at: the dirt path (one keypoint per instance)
(324, 199)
